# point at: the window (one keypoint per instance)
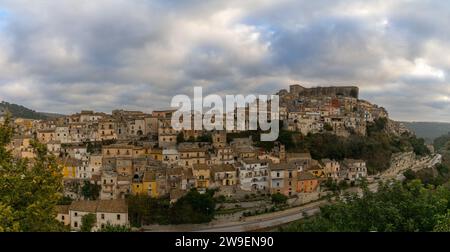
(76, 214)
(103, 216)
(75, 224)
(118, 217)
(62, 217)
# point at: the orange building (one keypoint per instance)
(306, 182)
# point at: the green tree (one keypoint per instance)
(7, 221)
(327, 127)
(279, 199)
(115, 228)
(29, 189)
(90, 191)
(205, 138)
(180, 137)
(394, 207)
(66, 200)
(193, 207)
(145, 210)
(88, 222)
(443, 223)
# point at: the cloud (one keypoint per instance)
(64, 56)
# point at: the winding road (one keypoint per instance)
(272, 220)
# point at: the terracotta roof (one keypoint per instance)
(118, 146)
(223, 168)
(282, 166)
(176, 171)
(255, 161)
(83, 206)
(305, 155)
(106, 206)
(314, 167)
(112, 206)
(305, 176)
(200, 167)
(62, 209)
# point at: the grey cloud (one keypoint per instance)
(71, 55)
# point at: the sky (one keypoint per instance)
(65, 56)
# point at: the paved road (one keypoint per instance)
(252, 223)
(273, 219)
(265, 222)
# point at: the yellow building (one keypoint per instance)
(156, 154)
(137, 188)
(149, 184)
(69, 167)
(202, 175)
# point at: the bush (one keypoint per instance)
(115, 228)
(193, 208)
(279, 198)
(88, 222)
(395, 207)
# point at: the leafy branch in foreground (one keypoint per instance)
(29, 188)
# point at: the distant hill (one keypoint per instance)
(428, 130)
(23, 112)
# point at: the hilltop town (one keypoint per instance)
(135, 153)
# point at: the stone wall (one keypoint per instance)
(349, 91)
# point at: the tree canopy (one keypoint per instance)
(88, 222)
(29, 189)
(396, 207)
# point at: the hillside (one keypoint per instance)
(23, 112)
(428, 130)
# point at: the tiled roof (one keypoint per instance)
(112, 206)
(305, 176)
(200, 167)
(62, 209)
(223, 168)
(282, 166)
(84, 206)
(105, 206)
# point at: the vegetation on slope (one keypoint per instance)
(396, 207)
(23, 112)
(376, 148)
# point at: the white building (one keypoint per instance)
(113, 212)
(171, 156)
(254, 175)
